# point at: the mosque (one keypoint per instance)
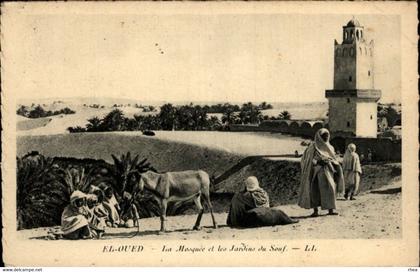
(352, 104)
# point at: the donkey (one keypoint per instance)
(175, 187)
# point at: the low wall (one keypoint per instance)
(382, 149)
(305, 129)
(246, 128)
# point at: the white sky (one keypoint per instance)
(274, 58)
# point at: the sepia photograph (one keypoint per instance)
(181, 131)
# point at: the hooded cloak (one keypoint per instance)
(319, 151)
(73, 217)
(352, 170)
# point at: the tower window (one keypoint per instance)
(350, 79)
(371, 117)
(348, 100)
(369, 73)
(351, 52)
(348, 124)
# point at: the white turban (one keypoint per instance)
(252, 184)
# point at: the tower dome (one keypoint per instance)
(353, 23)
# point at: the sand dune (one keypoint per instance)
(60, 123)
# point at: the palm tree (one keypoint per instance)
(265, 106)
(22, 110)
(285, 115)
(124, 167)
(250, 114)
(167, 116)
(41, 194)
(94, 124)
(37, 112)
(214, 123)
(228, 115)
(114, 121)
(77, 179)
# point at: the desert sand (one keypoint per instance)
(373, 215)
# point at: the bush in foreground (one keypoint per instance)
(44, 186)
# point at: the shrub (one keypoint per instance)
(76, 129)
(39, 112)
(41, 192)
(44, 186)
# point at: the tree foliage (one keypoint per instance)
(184, 117)
(285, 115)
(123, 167)
(44, 185)
(250, 114)
(390, 113)
(41, 192)
(114, 121)
(38, 111)
(167, 117)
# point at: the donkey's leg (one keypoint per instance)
(206, 198)
(197, 202)
(163, 207)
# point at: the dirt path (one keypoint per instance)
(375, 214)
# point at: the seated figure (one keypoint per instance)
(111, 205)
(96, 218)
(74, 219)
(251, 208)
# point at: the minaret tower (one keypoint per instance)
(353, 101)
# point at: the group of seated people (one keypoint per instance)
(89, 214)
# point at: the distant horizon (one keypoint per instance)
(110, 99)
(183, 102)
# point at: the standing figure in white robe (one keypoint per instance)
(352, 171)
(321, 175)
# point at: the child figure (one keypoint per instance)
(96, 216)
(352, 170)
(100, 210)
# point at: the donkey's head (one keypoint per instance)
(135, 183)
(127, 171)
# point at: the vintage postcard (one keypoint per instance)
(209, 133)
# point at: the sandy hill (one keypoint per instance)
(85, 110)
